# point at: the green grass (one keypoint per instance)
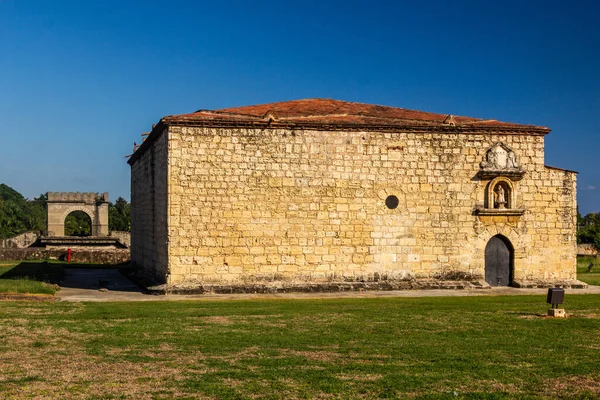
(429, 348)
(592, 277)
(31, 277)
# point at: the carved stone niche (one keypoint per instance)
(500, 160)
(500, 198)
(501, 167)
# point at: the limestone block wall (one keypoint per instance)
(149, 210)
(101, 218)
(272, 204)
(544, 237)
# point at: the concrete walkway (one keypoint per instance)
(111, 285)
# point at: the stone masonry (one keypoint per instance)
(61, 204)
(322, 190)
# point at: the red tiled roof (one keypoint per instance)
(312, 113)
(327, 114)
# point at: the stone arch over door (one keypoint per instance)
(60, 205)
(499, 261)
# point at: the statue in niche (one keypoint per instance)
(500, 196)
(500, 157)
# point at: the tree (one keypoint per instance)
(588, 229)
(38, 213)
(119, 215)
(78, 223)
(19, 215)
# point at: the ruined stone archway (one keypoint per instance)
(61, 204)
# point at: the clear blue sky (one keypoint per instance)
(81, 80)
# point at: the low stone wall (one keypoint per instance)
(587, 249)
(115, 256)
(21, 241)
(124, 237)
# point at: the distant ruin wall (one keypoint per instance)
(587, 249)
(117, 256)
(21, 241)
(124, 237)
(77, 197)
(61, 204)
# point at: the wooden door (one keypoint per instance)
(498, 262)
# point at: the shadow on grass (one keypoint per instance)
(35, 271)
(32, 277)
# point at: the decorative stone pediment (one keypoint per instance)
(500, 160)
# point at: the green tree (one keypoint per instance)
(78, 223)
(588, 229)
(19, 215)
(119, 215)
(38, 214)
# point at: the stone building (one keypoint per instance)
(316, 191)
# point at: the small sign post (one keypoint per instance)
(555, 297)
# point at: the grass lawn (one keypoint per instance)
(592, 277)
(33, 277)
(429, 348)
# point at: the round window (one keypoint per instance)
(392, 202)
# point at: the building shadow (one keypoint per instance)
(41, 271)
(112, 277)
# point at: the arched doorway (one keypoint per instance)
(499, 261)
(78, 223)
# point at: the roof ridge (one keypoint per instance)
(327, 99)
(330, 112)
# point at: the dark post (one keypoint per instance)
(555, 296)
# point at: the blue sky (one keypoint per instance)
(81, 80)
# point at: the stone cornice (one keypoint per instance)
(406, 127)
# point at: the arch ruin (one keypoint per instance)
(61, 204)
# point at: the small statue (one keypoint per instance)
(500, 196)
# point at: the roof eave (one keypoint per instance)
(296, 124)
(152, 137)
(314, 125)
(561, 169)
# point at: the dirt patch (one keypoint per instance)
(317, 355)
(577, 315)
(532, 316)
(32, 369)
(360, 377)
(27, 297)
(218, 320)
(573, 384)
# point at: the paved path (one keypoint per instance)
(86, 285)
